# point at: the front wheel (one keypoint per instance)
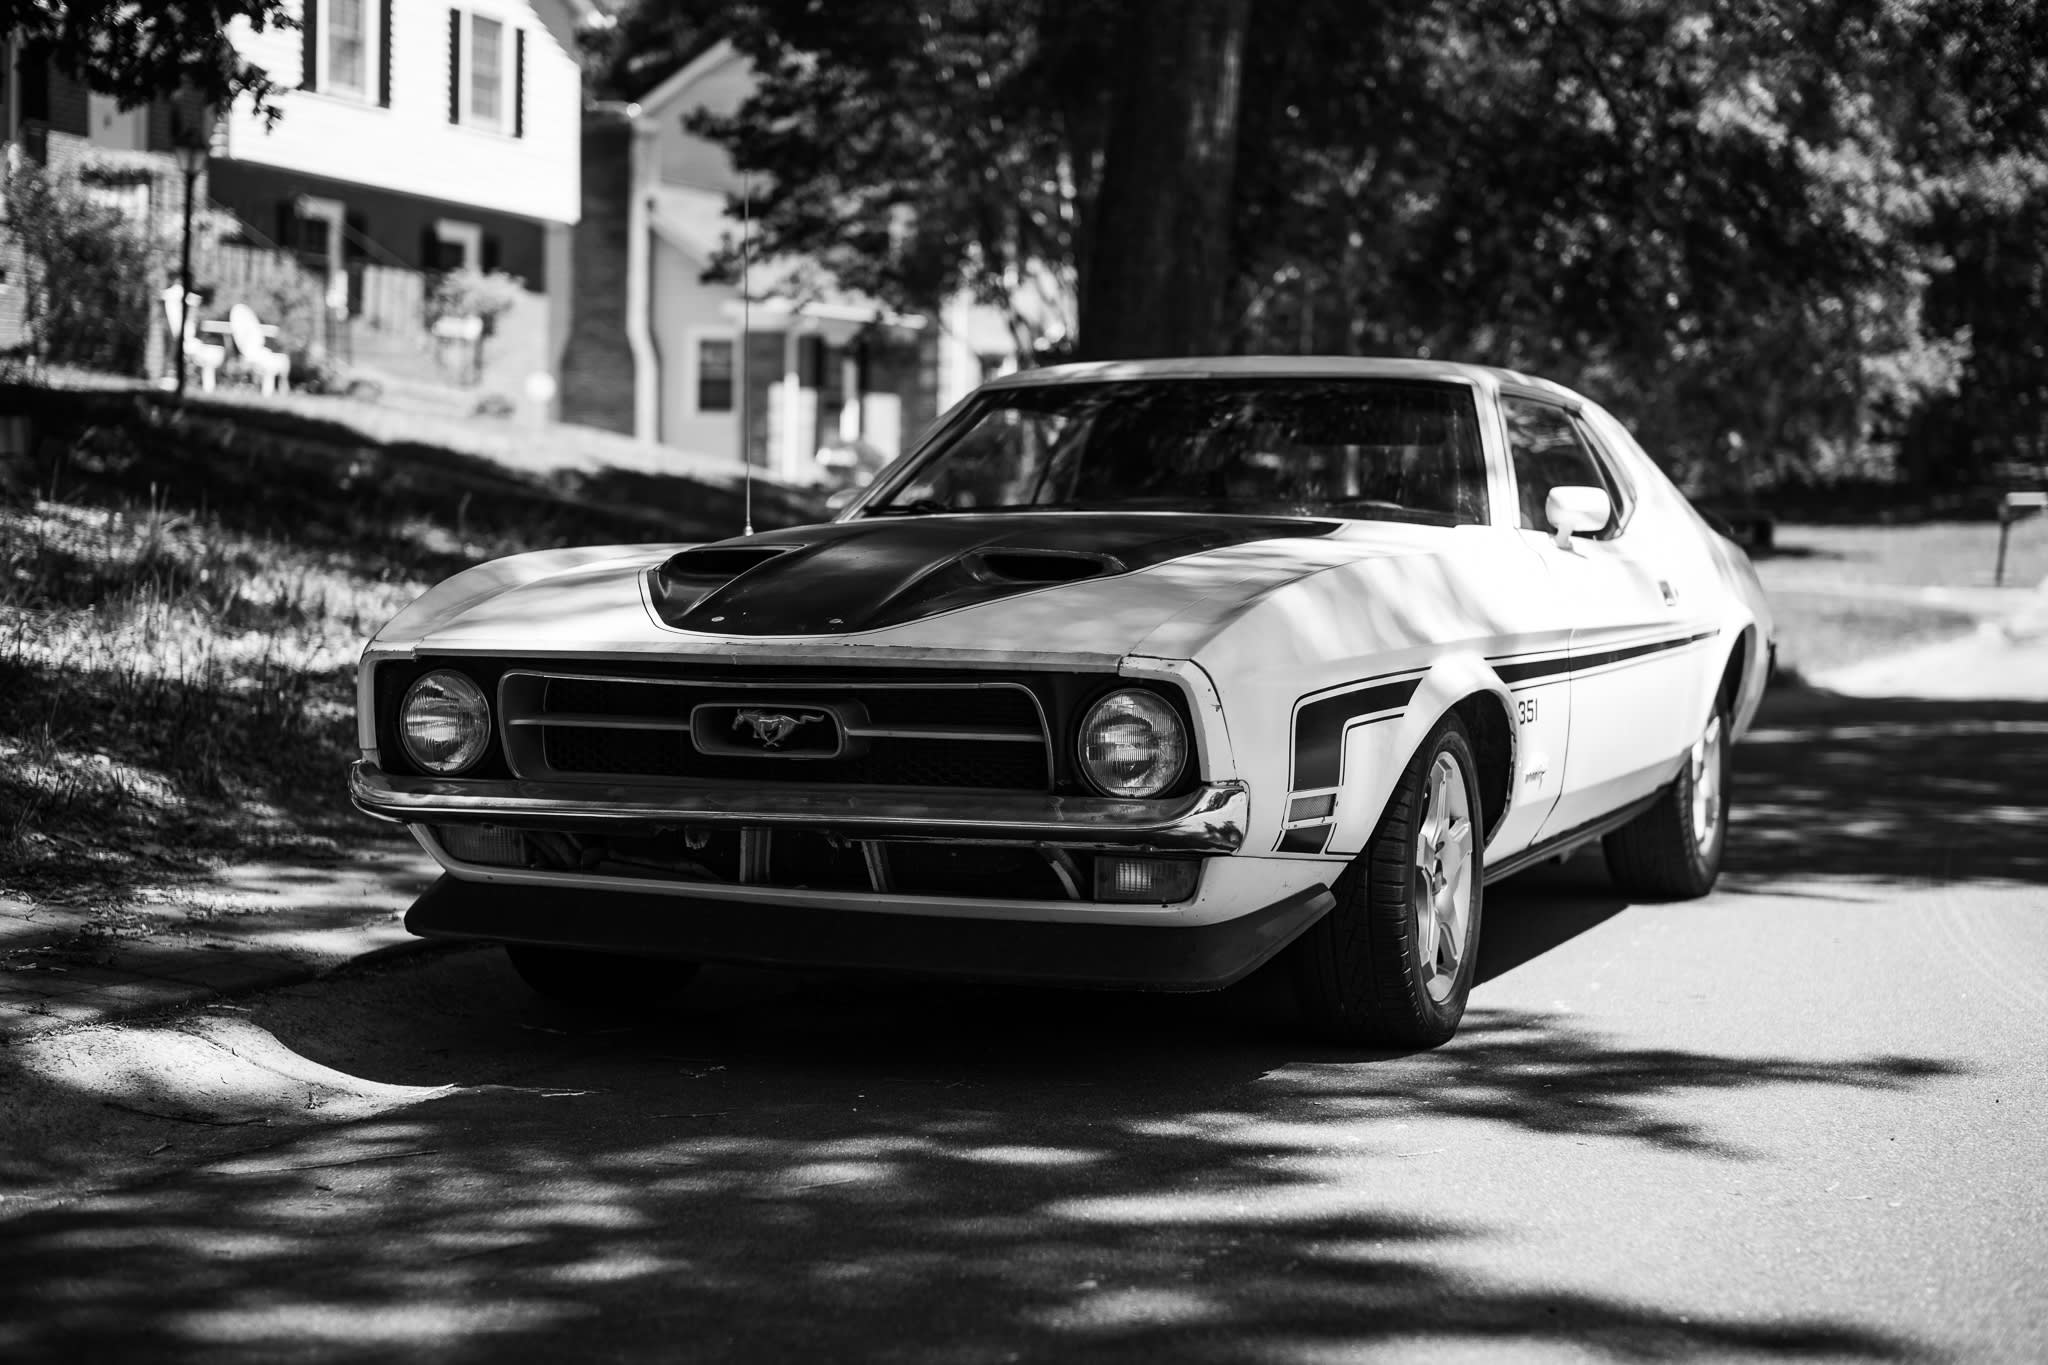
(1393, 962)
(1672, 851)
(575, 976)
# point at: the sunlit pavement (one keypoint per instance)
(1803, 1119)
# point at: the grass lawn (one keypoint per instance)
(1947, 554)
(1843, 594)
(179, 625)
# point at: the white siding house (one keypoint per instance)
(418, 136)
(793, 365)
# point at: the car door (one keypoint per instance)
(1632, 677)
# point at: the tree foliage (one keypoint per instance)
(1782, 236)
(139, 52)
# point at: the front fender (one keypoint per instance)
(1376, 754)
(474, 586)
(453, 596)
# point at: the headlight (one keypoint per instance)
(1133, 744)
(445, 723)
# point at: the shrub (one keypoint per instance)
(100, 316)
(474, 294)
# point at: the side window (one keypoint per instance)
(1550, 451)
(715, 372)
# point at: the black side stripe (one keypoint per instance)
(1580, 663)
(1319, 725)
(1307, 840)
(1319, 728)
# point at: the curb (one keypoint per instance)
(128, 996)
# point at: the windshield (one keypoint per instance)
(1342, 447)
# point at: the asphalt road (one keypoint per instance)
(1805, 1119)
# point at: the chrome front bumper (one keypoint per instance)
(1210, 819)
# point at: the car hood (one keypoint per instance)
(1069, 587)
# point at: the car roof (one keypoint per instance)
(1487, 377)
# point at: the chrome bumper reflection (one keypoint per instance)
(1211, 819)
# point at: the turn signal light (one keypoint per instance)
(1154, 880)
(485, 844)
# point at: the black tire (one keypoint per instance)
(587, 980)
(1359, 972)
(1668, 853)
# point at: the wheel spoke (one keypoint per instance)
(1456, 883)
(1450, 932)
(1444, 857)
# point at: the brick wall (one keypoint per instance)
(597, 365)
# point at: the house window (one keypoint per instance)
(486, 70)
(347, 48)
(321, 224)
(715, 358)
(486, 73)
(457, 245)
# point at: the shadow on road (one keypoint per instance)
(1891, 790)
(1544, 908)
(785, 1170)
(781, 1169)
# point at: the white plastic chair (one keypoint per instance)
(208, 356)
(273, 368)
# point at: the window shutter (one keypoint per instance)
(384, 54)
(519, 82)
(34, 75)
(455, 66)
(430, 249)
(288, 225)
(491, 255)
(309, 46)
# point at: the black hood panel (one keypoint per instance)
(885, 571)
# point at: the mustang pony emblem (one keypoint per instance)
(771, 728)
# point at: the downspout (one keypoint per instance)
(639, 279)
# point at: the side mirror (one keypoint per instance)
(1572, 508)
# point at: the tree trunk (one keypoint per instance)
(1159, 263)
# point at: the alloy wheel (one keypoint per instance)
(1706, 785)
(1443, 876)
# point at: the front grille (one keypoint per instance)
(806, 860)
(988, 736)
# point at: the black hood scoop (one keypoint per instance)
(712, 565)
(1038, 567)
(873, 573)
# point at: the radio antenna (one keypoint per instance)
(746, 332)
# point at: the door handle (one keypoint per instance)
(1670, 593)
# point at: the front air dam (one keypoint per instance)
(1107, 956)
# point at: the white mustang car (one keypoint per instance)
(1130, 675)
